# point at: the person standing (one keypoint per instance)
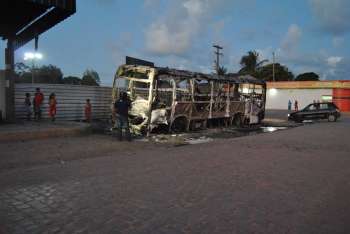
(296, 108)
(289, 105)
(52, 106)
(121, 108)
(38, 101)
(27, 105)
(88, 110)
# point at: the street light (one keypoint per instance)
(32, 57)
(273, 91)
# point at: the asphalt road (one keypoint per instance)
(291, 181)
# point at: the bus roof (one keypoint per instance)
(171, 72)
(231, 77)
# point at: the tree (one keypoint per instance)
(72, 80)
(21, 68)
(93, 74)
(89, 80)
(23, 77)
(250, 63)
(222, 70)
(48, 74)
(282, 73)
(308, 76)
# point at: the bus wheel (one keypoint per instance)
(238, 121)
(260, 117)
(231, 121)
(161, 128)
(179, 124)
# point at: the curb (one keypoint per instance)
(43, 134)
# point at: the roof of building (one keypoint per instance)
(324, 84)
(22, 20)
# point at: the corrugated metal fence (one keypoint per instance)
(71, 100)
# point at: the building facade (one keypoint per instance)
(306, 92)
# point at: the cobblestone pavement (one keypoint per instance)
(292, 181)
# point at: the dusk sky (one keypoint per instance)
(306, 35)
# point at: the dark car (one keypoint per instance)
(323, 110)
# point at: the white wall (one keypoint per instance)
(2, 93)
(278, 98)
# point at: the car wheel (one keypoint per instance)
(298, 119)
(332, 118)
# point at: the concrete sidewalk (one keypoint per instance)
(30, 130)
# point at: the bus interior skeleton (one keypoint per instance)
(175, 100)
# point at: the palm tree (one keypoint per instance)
(250, 63)
(222, 70)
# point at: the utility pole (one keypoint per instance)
(9, 76)
(36, 43)
(218, 54)
(273, 66)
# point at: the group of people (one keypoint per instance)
(296, 105)
(121, 110)
(36, 104)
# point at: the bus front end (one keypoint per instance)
(138, 82)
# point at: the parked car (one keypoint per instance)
(323, 110)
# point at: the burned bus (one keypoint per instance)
(178, 100)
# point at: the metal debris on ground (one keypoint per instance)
(200, 140)
(208, 135)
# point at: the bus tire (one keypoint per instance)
(238, 120)
(179, 124)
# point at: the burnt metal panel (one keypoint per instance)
(135, 61)
(235, 78)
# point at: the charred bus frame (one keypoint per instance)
(178, 100)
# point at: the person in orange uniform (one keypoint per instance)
(37, 101)
(52, 106)
(88, 111)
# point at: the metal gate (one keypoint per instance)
(71, 100)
